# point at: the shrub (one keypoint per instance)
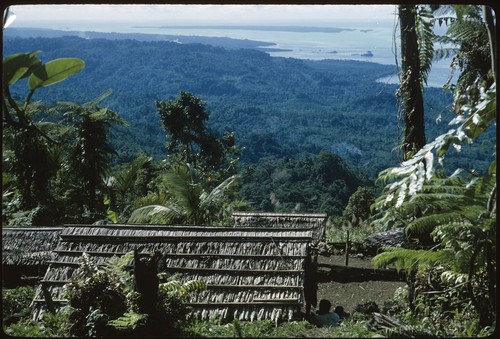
(104, 302)
(51, 325)
(16, 300)
(367, 307)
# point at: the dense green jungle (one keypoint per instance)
(276, 106)
(284, 112)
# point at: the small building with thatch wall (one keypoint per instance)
(315, 221)
(251, 273)
(26, 253)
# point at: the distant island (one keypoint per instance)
(302, 29)
(366, 54)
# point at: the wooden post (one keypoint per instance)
(347, 247)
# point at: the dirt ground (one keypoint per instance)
(356, 283)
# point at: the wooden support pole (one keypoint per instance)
(347, 248)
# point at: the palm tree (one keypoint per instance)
(184, 200)
(90, 154)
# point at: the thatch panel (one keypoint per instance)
(112, 247)
(285, 220)
(152, 234)
(316, 222)
(235, 263)
(257, 271)
(270, 247)
(245, 312)
(245, 295)
(28, 246)
(237, 278)
(59, 272)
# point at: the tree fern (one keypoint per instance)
(410, 175)
(411, 260)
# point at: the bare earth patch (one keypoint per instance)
(357, 283)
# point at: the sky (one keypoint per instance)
(86, 16)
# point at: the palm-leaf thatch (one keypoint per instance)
(28, 246)
(315, 221)
(250, 273)
(26, 253)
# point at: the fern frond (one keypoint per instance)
(473, 123)
(467, 29)
(426, 224)
(194, 286)
(183, 291)
(409, 331)
(426, 36)
(129, 321)
(410, 260)
(445, 53)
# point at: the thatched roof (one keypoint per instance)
(29, 246)
(315, 221)
(252, 273)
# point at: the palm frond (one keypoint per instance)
(217, 195)
(126, 177)
(184, 191)
(156, 208)
(155, 214)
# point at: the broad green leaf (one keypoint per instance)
(54, 71)
(17, 66)
(112, 215)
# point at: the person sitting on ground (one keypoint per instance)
(324, 317)
(341, 313)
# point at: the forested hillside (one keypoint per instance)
(276, 106)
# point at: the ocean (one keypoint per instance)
(356, 41)
(362, 41)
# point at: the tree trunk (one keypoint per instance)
(410, 88)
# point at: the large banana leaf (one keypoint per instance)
(17, 66)
(54, 71)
